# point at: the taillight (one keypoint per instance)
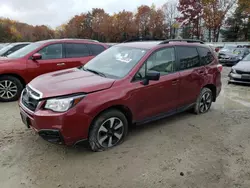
(219, 67)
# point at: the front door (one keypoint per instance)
(52, 60)
(158, 97)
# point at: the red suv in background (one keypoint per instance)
(130, 83)
(20, 67)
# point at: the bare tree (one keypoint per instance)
(171, 13)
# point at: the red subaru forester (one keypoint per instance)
(41, 57)
(130, 83)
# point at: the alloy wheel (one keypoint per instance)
(110, 132)
(206, 101)
(8, 89)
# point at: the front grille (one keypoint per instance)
(242, 72)
(242, 80)
(223, 56)
(29, 98)
(32, 92)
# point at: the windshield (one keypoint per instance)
(247, 58)
(229, 47)
(116, 61)
(25, 50)
(5, 49)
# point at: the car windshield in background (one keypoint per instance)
(5, 49)
(116, 62)
(247, 58)
(25, 50)
(229, 47)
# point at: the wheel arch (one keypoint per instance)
(16, 76)
(122, 108)
(212, 87)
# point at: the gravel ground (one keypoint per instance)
(186, 150)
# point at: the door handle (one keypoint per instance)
(60, 64)
(174, 82)
(201, 72)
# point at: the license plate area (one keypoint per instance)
(25, 119)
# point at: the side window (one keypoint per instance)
(206, 56)
(189, 57)
(53, 51)
(96, 48)
(76, 50)
(162, 61)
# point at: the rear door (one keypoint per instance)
(77, 54)
(52, 60)
(192, 74)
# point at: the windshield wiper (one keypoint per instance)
(95, 72)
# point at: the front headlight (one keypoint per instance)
(62, 104)
(233, 71)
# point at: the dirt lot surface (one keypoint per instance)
(184, 151)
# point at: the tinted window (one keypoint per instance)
(205, 56)
(162, 61)
(189, 57)
(76, 50)
(96, 48)
(53, 51)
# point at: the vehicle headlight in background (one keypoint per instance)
(233, 71)
(63, 104)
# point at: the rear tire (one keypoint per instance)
(108, 130)
(10, 88)
(204, 101)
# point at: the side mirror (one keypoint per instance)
(36, 56)
(151, 75)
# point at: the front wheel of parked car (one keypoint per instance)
(108, 130)
(10, 88)
(204, 101)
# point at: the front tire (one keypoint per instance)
(108, 130)
(204, 101)
(10, 88)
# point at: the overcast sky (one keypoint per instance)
(56, 12)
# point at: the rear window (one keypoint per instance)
(205, 55)
(189, 57)
(96, 48)
(76, 50)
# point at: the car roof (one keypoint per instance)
(66, 40)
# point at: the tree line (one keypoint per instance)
(200, 19)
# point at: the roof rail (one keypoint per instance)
(182, 40)
(79, 39)
(136, 39)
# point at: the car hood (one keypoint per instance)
(243, 66)
(69, 81)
